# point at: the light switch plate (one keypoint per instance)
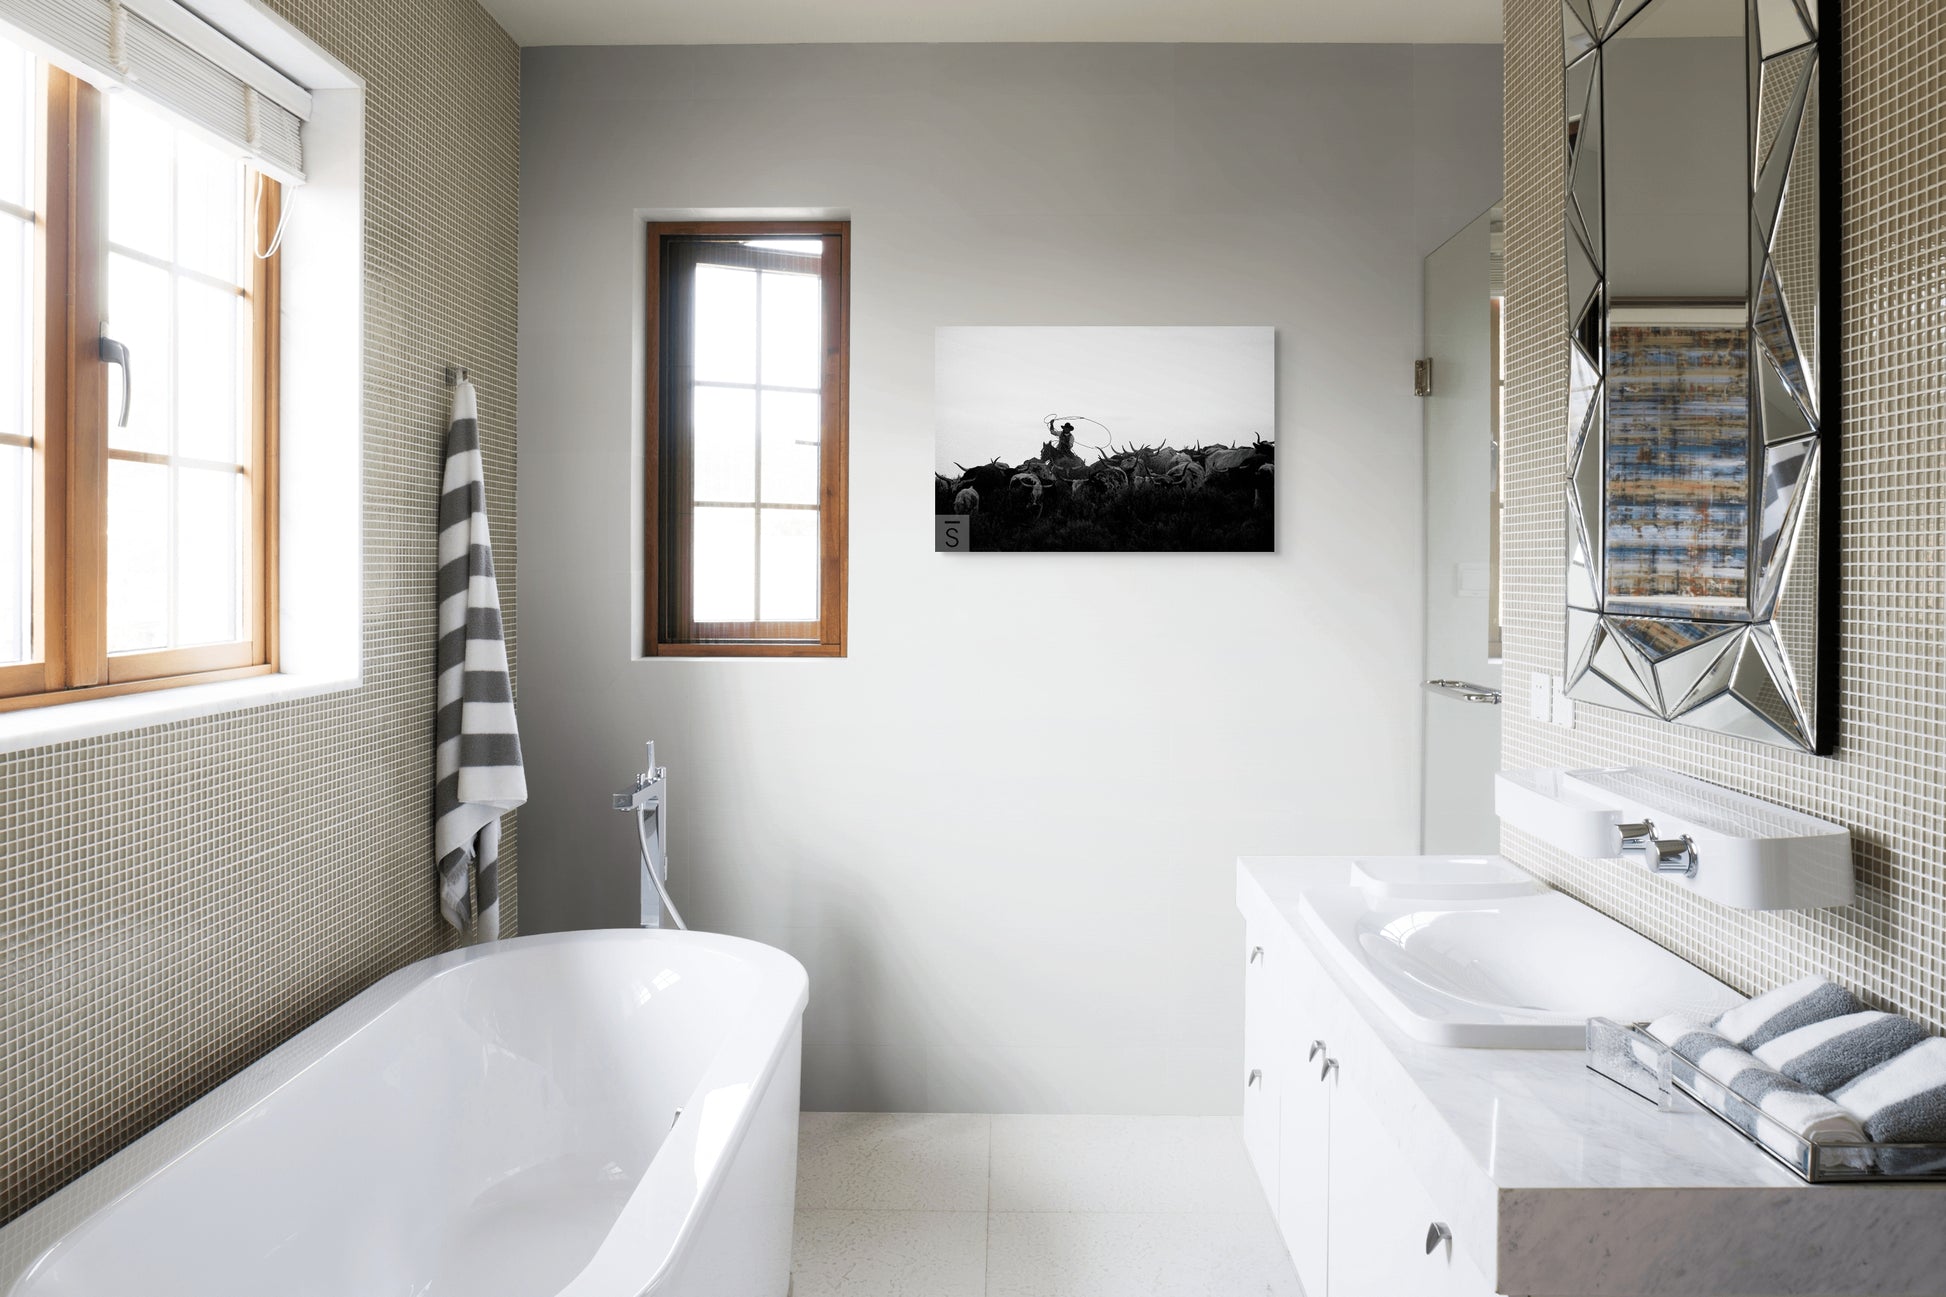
(1540, 696)
(1560, 706)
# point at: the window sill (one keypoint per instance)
(743, 652)
(37, 727)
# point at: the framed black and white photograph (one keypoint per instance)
(1150, 438)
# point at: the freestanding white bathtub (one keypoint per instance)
(594, 1114)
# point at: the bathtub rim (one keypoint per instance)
(659, 1225)
(756, 1042)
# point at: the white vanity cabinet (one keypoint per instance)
(1303, 1134)
(1386, 1234)
(1532, 1174)
(1348, 1205)
(1263, 1073)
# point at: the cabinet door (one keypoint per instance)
(1264, 1052)
(1303, 1136)
(1380, 1216)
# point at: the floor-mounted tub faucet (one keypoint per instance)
(648, 800)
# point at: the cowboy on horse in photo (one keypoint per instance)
(1203, 497)
(1160, 438)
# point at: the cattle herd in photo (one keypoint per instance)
(1124, 498)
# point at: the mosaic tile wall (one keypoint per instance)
(1885, 782)
(175, 902)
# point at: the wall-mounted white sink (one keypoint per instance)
(1511, 972)
(1733, 848)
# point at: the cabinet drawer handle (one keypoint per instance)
(1436, 1233)
(1330, 1066)
(1256, 953)
(1317, 1047)
(1256, 1075)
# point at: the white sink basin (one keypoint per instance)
(1512, 972)
(1442, 878)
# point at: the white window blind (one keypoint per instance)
(160, 50)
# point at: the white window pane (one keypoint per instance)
(17, 124)
(141, 162)
(209, 210)
(138, 556)
(793, 329)
(790, 565)
(725, 422)
(208, 368)
(16, 553)
(790, 447)
(208, 584)
(140, 316)
(723, 565)
(803, 247)
(726, 325)
(16, 327)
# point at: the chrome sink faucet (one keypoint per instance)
(1663, 855)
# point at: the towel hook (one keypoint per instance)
(455, 375)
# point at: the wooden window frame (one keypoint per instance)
(69, 660)
(667, 630)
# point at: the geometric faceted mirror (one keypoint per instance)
(1702, 427)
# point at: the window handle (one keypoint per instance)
(116, 353)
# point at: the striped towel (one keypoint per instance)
(478, 762)
(1723, 1069)
(1716, 1060)
(1826, 1055)
(1798, 1110)
(1903, 1101)
(1786, 1008)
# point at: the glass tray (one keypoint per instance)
(1630, 1057)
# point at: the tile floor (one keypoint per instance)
(943, 1205)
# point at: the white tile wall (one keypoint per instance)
(175, 902)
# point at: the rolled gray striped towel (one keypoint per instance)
(1715, 1058)
(477, 765)
(1723, 1069)
(1689, 1035)
(1800, 1110)
(1828, 1054)
(1809, 999)
(1902, 1100)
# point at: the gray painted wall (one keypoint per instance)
(1000, 834)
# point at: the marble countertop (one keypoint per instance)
(1561, 1181)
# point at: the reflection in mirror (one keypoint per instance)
(1678, 198)
(1677, 459)
(1786, 467)
(1585, 183)
(1794, 246)
(1781, 26)
(1779, 79)
(1575, 37)
(1696, 430)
